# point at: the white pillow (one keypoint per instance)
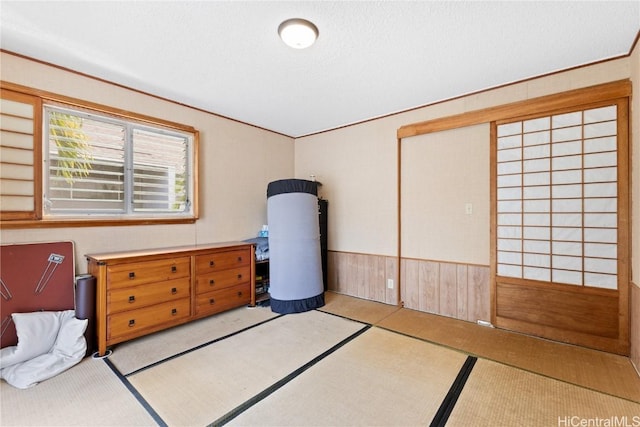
(36, 332)
(70, 341)
(68, 350)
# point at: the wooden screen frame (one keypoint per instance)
(572, 99)
(587, 316)
(36, 103)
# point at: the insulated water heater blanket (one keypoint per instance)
(295, 265)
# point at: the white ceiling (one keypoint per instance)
(371, 59)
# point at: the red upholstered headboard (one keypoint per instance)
(34, 277)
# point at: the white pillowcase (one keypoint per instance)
(36, 332)
(69, 349)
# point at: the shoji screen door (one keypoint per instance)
(561, 213)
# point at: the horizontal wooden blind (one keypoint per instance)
(19, 157)
(557, 206)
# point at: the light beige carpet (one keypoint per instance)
(497, 395)
(199, 387)
(88, 394)
(139, 353)
(380, 378)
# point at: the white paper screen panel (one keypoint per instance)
(17, 191)
(557, 198)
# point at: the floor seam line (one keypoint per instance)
(449, 402)
(285, 380)
(136, 394)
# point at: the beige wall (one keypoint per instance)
(237, 162)
(457, 160)
(358, 165)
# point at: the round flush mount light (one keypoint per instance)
(298, 33)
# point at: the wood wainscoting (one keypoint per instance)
(456, 290)
(363, 276)
(449, 289)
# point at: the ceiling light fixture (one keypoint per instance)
(298, 33)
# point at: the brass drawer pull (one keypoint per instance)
(174, 291)
(174, 311)
(211, 301)
(132, 275)
(174, 268)
(132, 299)
(212, 282)
(132, 323)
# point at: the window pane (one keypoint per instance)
(159, 172)
(86, 165)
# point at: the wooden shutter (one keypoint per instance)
(20, 156)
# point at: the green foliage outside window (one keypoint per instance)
(74, 152)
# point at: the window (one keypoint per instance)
(66, 162)
(101, 165)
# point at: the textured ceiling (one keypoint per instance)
(371, 59)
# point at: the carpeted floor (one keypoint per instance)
(353, 362)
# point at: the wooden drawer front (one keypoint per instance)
(222, 260)
(224, 299)
(122, 299)
(222, 279)
(139, 273)
(134, 322)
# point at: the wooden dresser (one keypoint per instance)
(141, 292)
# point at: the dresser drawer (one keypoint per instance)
(222, 260)
(222, 279)
(139, 273)
(224, 299)
(133, 323)
(121, 299)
